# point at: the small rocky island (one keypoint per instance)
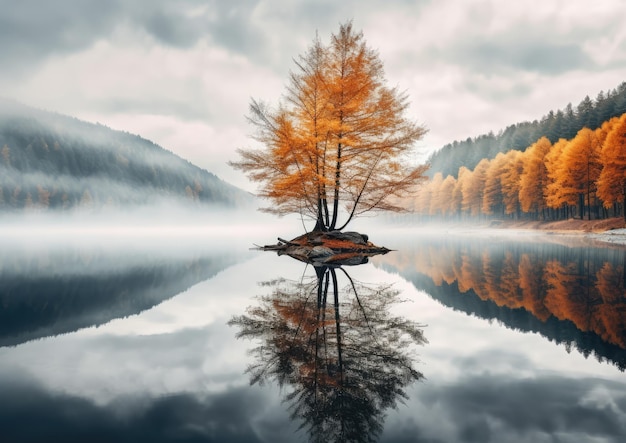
(328, 248)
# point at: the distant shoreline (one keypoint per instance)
(609, 230)
(567, 226)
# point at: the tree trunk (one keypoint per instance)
(581, 204)
(624, 198)
(333, 223)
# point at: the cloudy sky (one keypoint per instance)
(182, 73)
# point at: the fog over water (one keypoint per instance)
(157, 225)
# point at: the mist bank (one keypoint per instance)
(52, 161)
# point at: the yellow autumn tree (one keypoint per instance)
(446, 196)
(457, 197)
(510, 179)
(464, 176)
(493, 195)
(612, 179)
(556, 194)
(533, 179)
(581, 167)
(339, 144)
(473, 188)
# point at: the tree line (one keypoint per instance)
(584, 176)
(564, 123)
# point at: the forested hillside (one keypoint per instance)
(570, 164)
(564, 123)
(51, 161)
(581, 177)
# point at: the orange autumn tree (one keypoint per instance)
(339, 145)
(510, 179)
(533, 179)
(612, 179)
(492, 194)
(474, 187)
(581, 167)
(557, 194)
(449, 206)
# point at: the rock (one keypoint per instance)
(320, 251)
(350, 236)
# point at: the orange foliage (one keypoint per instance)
(340, 143)
(586, 171)
(581, 164)
(493, 195)
(534, 178)
(510, 179)
(612, 180)
(555, 193)
(593, 301)
(473, 187)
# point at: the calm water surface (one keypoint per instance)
(451, 338)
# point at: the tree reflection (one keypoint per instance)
(345, 358)
(572, 295)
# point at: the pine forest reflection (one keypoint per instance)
(575, 296)
(343, 355)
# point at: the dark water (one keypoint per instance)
(469, 338)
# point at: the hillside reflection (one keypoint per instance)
(333, 342)
(572, 295)
(49, 292)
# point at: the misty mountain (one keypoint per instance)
(52, 161)
(563, 123)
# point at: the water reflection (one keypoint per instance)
(57, 291)
(176, 372)
(574, 296)
(345, 359)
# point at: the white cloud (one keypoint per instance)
(185, 79)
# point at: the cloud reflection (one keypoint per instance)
(29, 413)
(496, 408)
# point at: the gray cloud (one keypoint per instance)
(29, 414)
(496, 56)
(476, 409)
(543, 44)
(171, 28)
(31, 30)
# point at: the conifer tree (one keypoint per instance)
(612, 179)
(340, 145)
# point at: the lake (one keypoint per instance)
(472, 336)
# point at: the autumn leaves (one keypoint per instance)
(560, 180)
(339, 144)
